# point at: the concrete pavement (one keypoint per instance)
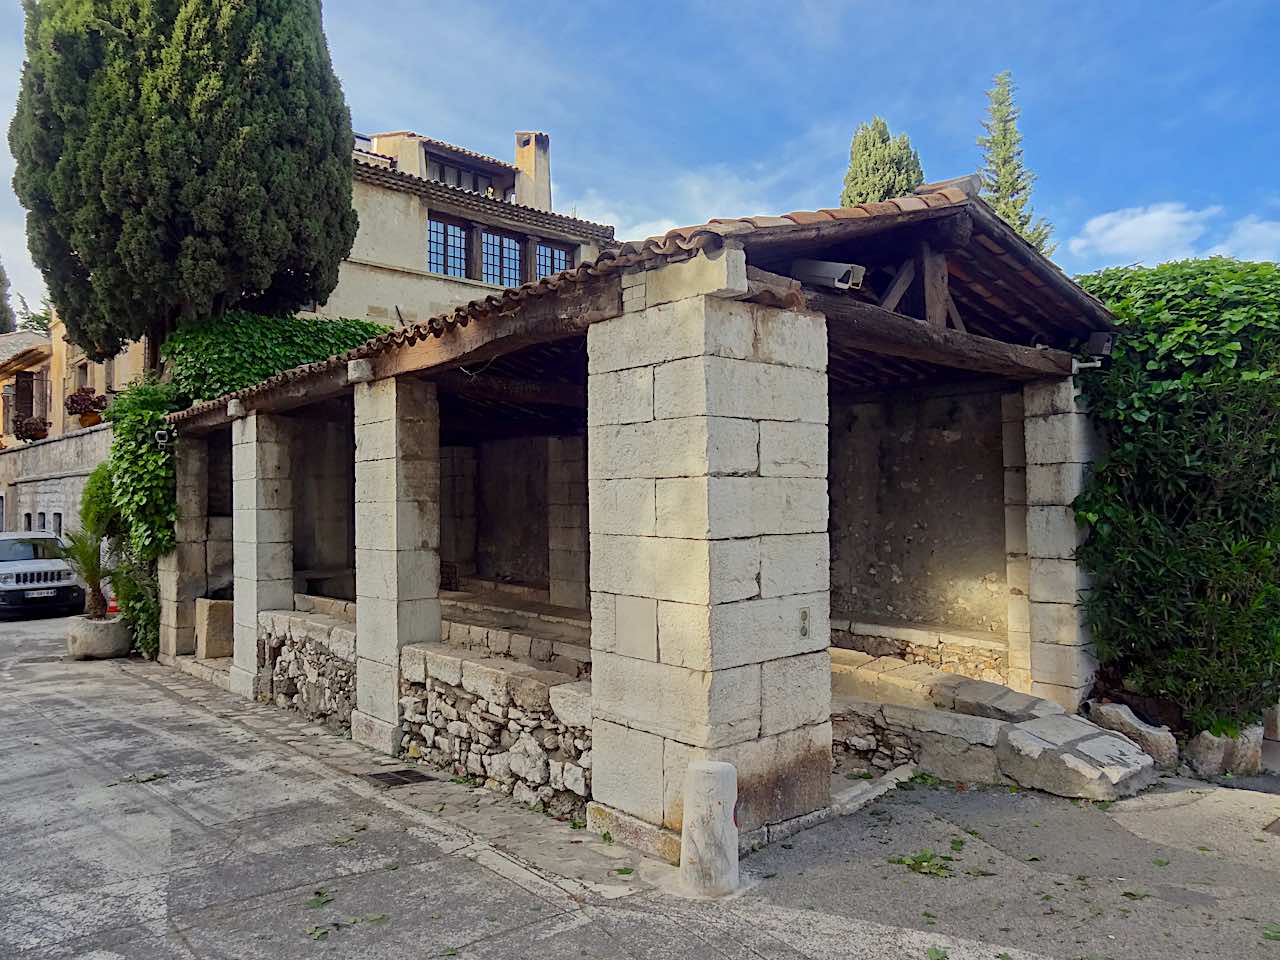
(144, 814)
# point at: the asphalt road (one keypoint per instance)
(145, 815)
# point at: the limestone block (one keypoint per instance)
(794, 564)
(531, 687)
(620, 396)
(1058, 581)
(976, 731)
(779, 777)
(1052, 532)
(1058, 623)
(1272, 723)
(1157, 742)
(373, 732)
(749, 631)
(793, 449)
(215, 628)
(660, 333)
(603, 620)
(1015, 530)
(264, 562)
(377, 689)
(795, 692)
(720, 507)
(955, 759)
(1061, 438)
(665, 568)
(387, 625)
(1213, 756)
(688, 447)
(633, 832)
(413, 664)
(702, 708)
(1063, 665)
(1015, 486)
(1055, 483)
(488, 680)
(571, 703)
(1069, 698)
(623, 506)
(709, 839)
(1013, 443)
(720, 272)
(1011, 407)
(626, 770)
(1047, 397)
(724, 387)
(398, 574)
(635, 631)
(752, 331)
(1072, 758)
(175, 641)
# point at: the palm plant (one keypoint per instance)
(83, 551)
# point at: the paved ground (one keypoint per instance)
(145, 815)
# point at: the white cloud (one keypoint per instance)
(1150, 234)
(1251, 238)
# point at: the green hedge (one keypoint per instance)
(1184, 511)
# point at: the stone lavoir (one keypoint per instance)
(595, 528)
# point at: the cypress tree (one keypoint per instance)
(7, 322)
(1006, 181)
(178, 157)
(880, 166)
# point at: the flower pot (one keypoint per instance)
(34, 435)
(90, 419)
(98, 639)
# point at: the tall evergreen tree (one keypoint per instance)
(880, 166)
(1006, 181)
(7, 322)
(178, 157)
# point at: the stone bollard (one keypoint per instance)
(709, 840)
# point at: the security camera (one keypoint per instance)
(1100, 344)
(826, 273)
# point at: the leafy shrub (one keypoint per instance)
(98, 510)
(138, 596)
(1184, 511)
(142, 474)
(240, 349)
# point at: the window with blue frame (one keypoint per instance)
(500, 259)
(552, 259)
(447, 248)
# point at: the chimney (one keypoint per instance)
(533, 160)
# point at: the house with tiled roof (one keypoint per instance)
(789, 492)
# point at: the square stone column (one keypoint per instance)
(710, 604)
(261, 534)
(567, 520)
(1017, 565)
(1060, 448)
(182, 574)
(397, 422)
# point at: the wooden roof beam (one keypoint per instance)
(862, 326)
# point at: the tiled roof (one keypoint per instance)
(380, 174)
(674, 244)
(453, 148)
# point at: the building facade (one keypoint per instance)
(440, 226)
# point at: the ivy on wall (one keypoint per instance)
(229, 353)
(1184, 511)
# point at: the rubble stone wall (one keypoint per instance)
(952, 653)
(522, 731)
(310, 661)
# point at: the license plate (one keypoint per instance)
(37, 594)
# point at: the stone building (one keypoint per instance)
(440, 225)
(575, 535)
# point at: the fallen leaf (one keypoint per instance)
(936, 953)
(318, 933)
(1160, 862)
(319, 900)
(624, 871)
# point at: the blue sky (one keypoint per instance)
(1152, 126)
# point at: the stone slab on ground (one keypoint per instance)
(1157, 742)
(1070, 757)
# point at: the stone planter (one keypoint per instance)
(98, 639)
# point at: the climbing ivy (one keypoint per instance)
(229, 353)
(240, 349)
(1184, 511)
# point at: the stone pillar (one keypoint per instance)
(182, 574)
(261, 534)
(567, 520)
(1060, 446)
(397, 545)
(458, 508)
(1017, 566)
(710, 587)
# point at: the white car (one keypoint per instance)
(34, 577)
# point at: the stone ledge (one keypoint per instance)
(635, 833)
(337, 636)
(497, 680)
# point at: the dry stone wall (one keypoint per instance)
(523, 731)
(953, 653)
(310, 663)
